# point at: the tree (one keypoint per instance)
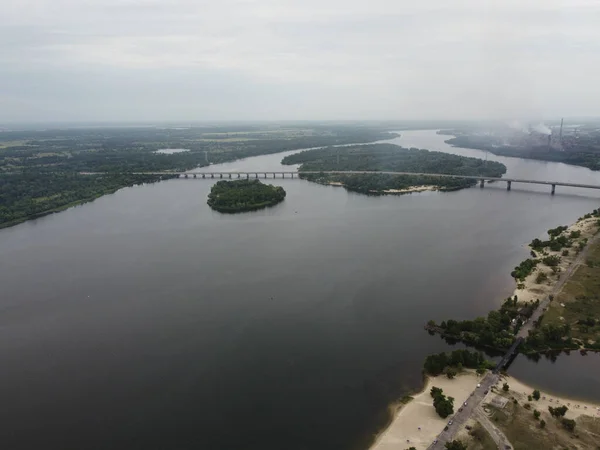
(569, 424)
(542, 423)
(455, 445)
(435, 391)
(559, 411)
(536, 414)
(443, 405)
(536, 394)
(450, 373)
(505, 387)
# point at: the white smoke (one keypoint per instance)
(542, 129)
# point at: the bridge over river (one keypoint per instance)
(292, 174)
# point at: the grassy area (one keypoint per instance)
(581, 297)
(480, 439)
(525, 433)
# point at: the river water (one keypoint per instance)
(146, 320)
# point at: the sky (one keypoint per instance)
(144, 60)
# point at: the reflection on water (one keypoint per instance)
(146, 320)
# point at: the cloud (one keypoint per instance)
(292, 59)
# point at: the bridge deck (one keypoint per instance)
(354, 172)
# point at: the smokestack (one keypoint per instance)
(561, 125)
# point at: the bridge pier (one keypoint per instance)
(220, 175)
(508, 185)
(203, 176)
(265, 175)
(273, 174)
(186, 175)
(229, 175)
(247, 176)
(553, 189)
(212, 175)
(194, 175)
(238, 175)
(481, 183)
(292, 175)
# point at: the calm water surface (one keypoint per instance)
(144, 320)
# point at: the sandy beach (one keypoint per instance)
(404, 430)
(577, 408)
(530, 289)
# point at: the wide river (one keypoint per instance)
(144, 320)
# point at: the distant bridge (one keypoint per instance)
(291, 174)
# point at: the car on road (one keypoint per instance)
(465, 404)
(450, 423)
(459, 409)
(478, 384)
(485, 392)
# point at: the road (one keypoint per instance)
(474, 402)
(461, 417)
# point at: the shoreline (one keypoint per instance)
(529, 289)
(415, 423)
(397, 435)
(577, 407)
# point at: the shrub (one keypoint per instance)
(541, 277)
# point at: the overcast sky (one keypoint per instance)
(138, 60)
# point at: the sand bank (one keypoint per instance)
(404, 431)
(577, 408)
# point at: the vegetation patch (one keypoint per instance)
(243, 195)
(389, 157)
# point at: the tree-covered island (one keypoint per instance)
(243, 195)
(389, 157)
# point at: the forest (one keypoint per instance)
(43, 171)
(243, 195)
(389, 157)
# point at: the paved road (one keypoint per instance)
(461, 417)
(498, 436)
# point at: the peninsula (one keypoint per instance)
(389, 157)
(243, 195)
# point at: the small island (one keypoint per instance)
(243, 195)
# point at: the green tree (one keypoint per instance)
(435, 391)
(569, 424)
(559, 411)
(536, 414)
(536, 394)
(450, 373)
(505, 387)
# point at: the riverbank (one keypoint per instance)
(416, 424)
(577, 408)
(532, 288)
